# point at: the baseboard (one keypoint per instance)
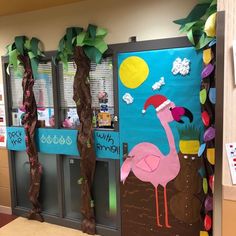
(5, 210)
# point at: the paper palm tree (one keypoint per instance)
(26, 52)
(84, 47)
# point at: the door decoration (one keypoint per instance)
(145, 159)
(84, 47)
(26, 52)
(200, 27)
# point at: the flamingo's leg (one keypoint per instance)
(157, 208)
(166, 210)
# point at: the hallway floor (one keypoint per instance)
(24, 227)
(5, 219)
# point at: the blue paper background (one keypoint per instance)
(182, 90)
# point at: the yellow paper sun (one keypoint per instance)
(133, 72)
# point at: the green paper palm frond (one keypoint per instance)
(189, 132)
(22, 46)
(92, 41)
(193, 25)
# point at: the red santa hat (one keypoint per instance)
(158, 101)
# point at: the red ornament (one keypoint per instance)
(205, 118)
(207, 222)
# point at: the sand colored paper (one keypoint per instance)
(211, 155)
(207, 56)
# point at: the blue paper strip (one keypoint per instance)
(63, 141)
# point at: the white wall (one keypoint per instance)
(146, 19)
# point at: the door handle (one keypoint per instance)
(125, 150)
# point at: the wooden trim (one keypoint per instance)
(5, 210)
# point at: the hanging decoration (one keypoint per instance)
(200, 27)
(26, 52)
(84, 47)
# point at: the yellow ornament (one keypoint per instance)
(133, 72)
(211, 155)
(204, 233)
(207, 56)
(210, 26)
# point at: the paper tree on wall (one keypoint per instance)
(84, 47)
(26, 52)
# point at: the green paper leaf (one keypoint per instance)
(34, 65)
(80, 39)
(203, 41)
(31, 55)
(197, 12)
(187, 27)
(34, 42)
(91, 30)
(20, 41)
(13, 58)
(101, 32)
(78, 30)
(61, 45)
(190, 36)
(68, 42)
(93, 54)
(27, 44)
(205, 185)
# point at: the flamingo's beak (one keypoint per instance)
(178, 112)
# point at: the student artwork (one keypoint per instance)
(158, 84)
(231, 156)
(1, 95)
(181, 67)
(3, 137)
(145, 159)
(128, 98)
(2, 115)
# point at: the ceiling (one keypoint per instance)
(9, 7)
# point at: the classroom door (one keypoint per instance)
(160, 123)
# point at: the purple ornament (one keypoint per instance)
(208, 204)
(209, 134)
(207, 70)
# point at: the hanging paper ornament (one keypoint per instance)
(207, 56)
(207, 222)
(209, 134)
(208, 204)
(201, 149)
(202, 172)
(203, 96)
(211, 155)
(212, 43)
(205, 185)
(204, 233)
(210, 26)
(212, 95)
(205, 118)
(207, 70)
(211, 183)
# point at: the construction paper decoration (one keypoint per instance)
(203, 96)
(212, 43)
(208, 203)
(211, 155)
(207, 56)
(207, 70)
(205, 185)
(201, 149)
(205, 118)
(207, 222)
(158, 84)
(211, 182)
(204, 233)
(189, 146)
(128, 98)
(212, 95)
(210, 26)
(181, 66)
(133, 72)
(209, 134)
(202, 172)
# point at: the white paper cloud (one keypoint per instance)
(158, 84)
(181, 66)
(128, 98)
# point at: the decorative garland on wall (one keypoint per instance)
(200, 27)
(26, 52)
(84, 47)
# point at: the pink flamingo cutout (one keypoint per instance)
(147, 162)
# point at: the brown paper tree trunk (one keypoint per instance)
(85, 140)
(30, 125)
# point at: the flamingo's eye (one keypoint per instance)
(170, 108)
